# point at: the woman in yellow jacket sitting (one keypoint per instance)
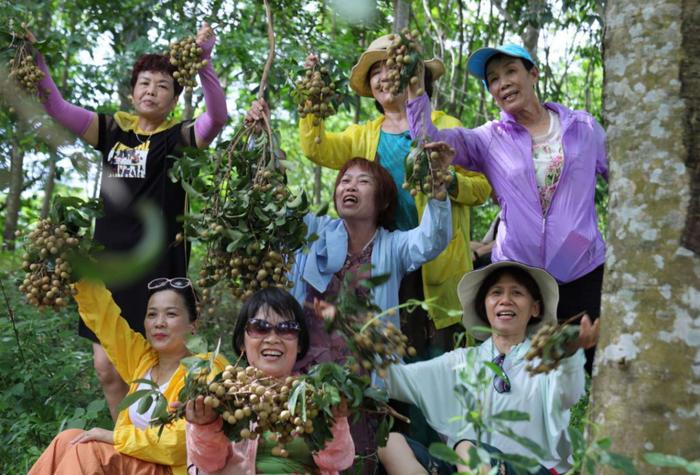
(133, 447)
(387, 139)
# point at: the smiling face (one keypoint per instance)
(377, 74)
(509, 307)
(271, 353)
(511, 84)
(167, 322)
(356, 195)
(153, 95)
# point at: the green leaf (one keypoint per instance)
(145, 403)
(620, 462)
(132, 398)
(526, 442)
(512, 416)
(604, 443)
(196, 344)
(445, 453)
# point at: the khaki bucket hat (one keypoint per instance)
(377, 51)
(471, 282)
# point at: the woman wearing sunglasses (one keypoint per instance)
(133, 446)
(514, 300)
(271, 334)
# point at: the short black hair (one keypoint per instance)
(429, 87)
(520, 275)
(526, 63)
(283, 303)
(188, 294)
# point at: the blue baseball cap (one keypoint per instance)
(477, 61)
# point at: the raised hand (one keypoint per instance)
(257, 112)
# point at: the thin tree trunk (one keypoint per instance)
(646, 375)
(402, 12)
(14, 194)
(49, 185)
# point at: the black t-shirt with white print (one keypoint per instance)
(135, 169)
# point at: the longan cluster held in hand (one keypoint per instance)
(402, 61)
(186, 55)
(25, 71)
(316, 93)
(421, 174)
(549, 347)
(48, 279)
(374, 345)
(251, 404)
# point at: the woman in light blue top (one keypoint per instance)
(364, 199)
(514, 300)
(359, 245)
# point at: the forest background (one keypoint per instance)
(46, 373)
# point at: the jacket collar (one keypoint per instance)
(564, 113)
(130, 122)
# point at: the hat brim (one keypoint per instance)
(359, 72)
(471, 282)
(476, 65)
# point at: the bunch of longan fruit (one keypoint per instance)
(402, 61)
(422, 176)
(316, 93)
(549, 347)
(251, 404)
(247, 270)
(186, 55)
(48, 279)
(25, 71)
(374, 345)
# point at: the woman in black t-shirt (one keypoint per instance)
(137, 151)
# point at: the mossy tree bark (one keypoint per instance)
(646, 385)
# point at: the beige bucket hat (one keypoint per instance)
(471, 282)
(377, 51)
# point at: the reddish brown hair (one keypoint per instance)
(385, 196)
(154, 62)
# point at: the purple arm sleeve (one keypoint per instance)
(464, 141)
(74, 118)
(209, 124)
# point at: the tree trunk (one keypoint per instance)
(646, 387)
(49, 186)
(14, 193)
(402, 12)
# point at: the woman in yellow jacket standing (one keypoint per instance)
(387, 140)
(133, 447)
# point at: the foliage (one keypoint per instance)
(672, 461)
(46, 375)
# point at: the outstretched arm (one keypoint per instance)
(208, 125)
(81, 122)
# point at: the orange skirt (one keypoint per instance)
(90, 458)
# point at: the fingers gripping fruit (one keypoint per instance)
(186, 55)
(423, 173)
(402, 61)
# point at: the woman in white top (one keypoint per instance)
(514, 300)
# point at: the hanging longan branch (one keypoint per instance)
(23, 69)
(551, 344)
(422, 176)
(251, 225)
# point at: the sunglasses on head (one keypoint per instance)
(259, 328)
(175, 283)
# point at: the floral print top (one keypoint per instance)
(548, 157)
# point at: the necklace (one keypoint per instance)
(148, 137)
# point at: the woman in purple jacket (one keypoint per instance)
(542, 161)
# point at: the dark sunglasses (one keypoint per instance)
(501, 385)
(258, 328)
(175, 283)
